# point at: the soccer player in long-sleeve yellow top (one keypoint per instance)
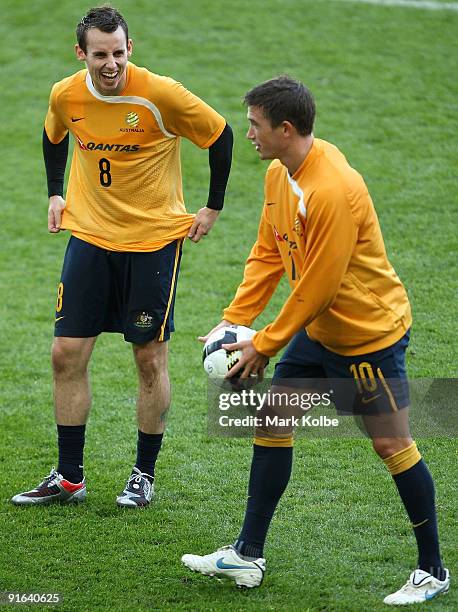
(319, 226)
(125, 210)
(347, 318)
(125, 189)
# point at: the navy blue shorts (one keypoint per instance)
(109, 291)
(361, 384)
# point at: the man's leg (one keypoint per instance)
(416, 489)
(153, 399)
(270, 467)
(269, 476)
(72, 395)
(272, 460)
(72, 400)
(153, 403)
(270, 472)
(378, 393)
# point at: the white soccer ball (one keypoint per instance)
(217, 361)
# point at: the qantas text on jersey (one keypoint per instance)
(92, 146)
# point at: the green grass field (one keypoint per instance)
(384, 78)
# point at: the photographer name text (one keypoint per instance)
(276, 421)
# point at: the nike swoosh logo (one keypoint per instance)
(77, 119)
(433, 594)
(270, 203)
(59, 318)
(367, 400)
(222, 565)
(419, 524)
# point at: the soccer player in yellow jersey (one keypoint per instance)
(124, 207)
(347, 318)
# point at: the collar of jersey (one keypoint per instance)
(129, 100)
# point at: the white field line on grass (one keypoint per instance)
(417, 4)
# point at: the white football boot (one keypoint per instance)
(226, 562)
(420, 587)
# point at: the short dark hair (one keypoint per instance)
(104, 18)
(284, 99)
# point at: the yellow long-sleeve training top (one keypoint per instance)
(320, 227)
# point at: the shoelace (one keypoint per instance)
(53, 475)
(140, 479)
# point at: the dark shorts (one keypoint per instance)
(361, 384)
(108, 291)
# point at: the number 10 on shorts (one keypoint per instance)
(364, 377)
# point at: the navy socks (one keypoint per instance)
(416, 489)
(71, 440)
(148, 447)
(71, 446)
(269, 476)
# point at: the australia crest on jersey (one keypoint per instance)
(132, 119)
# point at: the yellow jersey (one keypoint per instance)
(320, 227)
(125, 188)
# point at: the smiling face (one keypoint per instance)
(269, 142)
(106, 59)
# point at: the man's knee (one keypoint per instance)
(387, 447)
(71, 355)
(151, 359)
